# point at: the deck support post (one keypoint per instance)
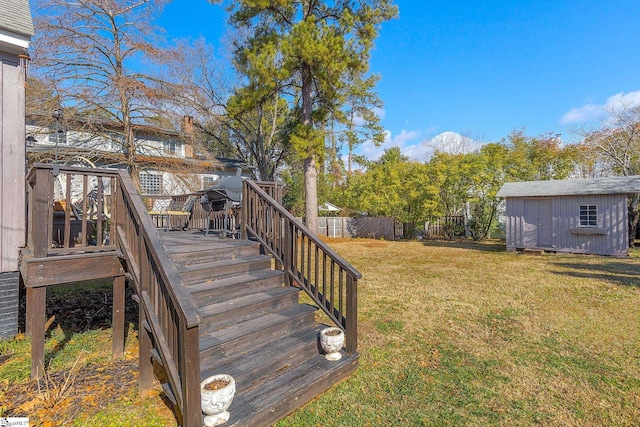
(118, 316)
(36, 318)
(352, 315)
(190, 375)
(145, 366)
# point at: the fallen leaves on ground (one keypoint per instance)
(93, 388)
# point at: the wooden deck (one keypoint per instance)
(207, 305)
(253, 328)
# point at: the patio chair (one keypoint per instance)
(167, 209)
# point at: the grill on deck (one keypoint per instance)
(226, 196)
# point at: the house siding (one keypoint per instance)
(611, 219)
(12, 163)
(9, 290)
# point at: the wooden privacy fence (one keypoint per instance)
(446, 226)
(368, 227)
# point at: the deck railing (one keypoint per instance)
(306, 260)
(199, 219)
(71, 210)
(75, 213)
(166, 307)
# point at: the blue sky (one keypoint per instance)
(484, 68)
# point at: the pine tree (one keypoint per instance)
(307, 50)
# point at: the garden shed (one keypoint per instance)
(580, 216)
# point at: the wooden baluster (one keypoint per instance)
(67, 214)
(289, 253)
(85, 184)
(113, 212)
(332, 296)
(99, 211)
(50, 201)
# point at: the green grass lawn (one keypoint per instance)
(468, 334)
(450, 334)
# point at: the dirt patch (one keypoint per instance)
(59, 398)
(77, 309)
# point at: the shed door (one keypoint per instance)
(538, 230)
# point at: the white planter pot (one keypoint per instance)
(216, 402)
(332, 340)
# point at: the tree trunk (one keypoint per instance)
(130, 144)
(310, 173)
(311, 194)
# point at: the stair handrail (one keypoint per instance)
(307, 261)
(166, 307)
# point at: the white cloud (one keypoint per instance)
(590, 112)
(373, 152)
(380, 112)
(454, 143)
(410, 146)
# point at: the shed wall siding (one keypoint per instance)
(12, 163)
(612, 218)
(515, 223)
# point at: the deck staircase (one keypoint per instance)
(206, 305)
(253, 328)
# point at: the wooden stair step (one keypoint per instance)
(222, 314)
(211, 251)
(236, 338)
(262, 362)
(285, 393)
(194, 273)
(224, 289)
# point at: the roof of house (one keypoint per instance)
(329, 207)
(15, 17)
(572, 187)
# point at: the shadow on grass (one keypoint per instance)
(80, 307)
(485, 246)
(618, 272)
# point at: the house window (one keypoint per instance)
(170, 147)
(58, 137)
(588, 215)
(151, 183)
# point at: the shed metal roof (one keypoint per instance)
(15, 17)
(572, 187)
